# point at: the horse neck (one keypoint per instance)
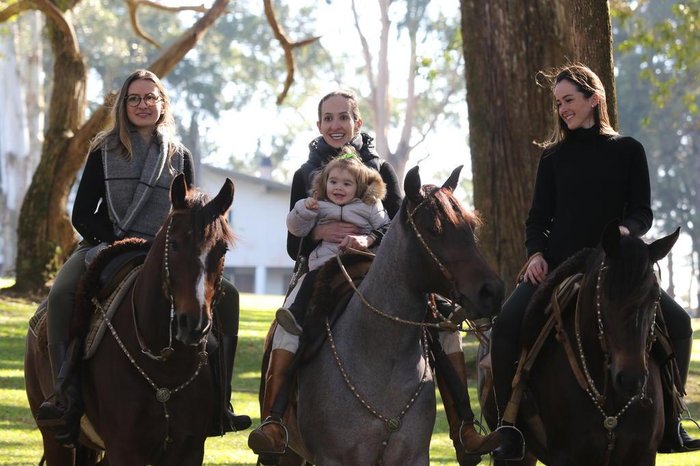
(588, 328)
(390, 287)
(151, 305)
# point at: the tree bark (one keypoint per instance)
(505, 44)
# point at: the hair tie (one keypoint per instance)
(346, 155)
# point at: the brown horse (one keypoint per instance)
(593, 394)
(148, 389)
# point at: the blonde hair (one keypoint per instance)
(586, 82)
(370, 186)
(117, 133)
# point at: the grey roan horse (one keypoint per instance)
(368, 396)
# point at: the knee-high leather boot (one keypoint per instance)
(270, 437)
(62, 410)
(222, 361)
(512, 447)
(466, 440)
(682, 349)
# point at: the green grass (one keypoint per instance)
(20, 442)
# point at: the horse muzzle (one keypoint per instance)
(191, 329)
(485, 302)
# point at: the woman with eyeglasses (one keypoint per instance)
(124, 192)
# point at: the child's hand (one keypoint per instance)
(311, 203)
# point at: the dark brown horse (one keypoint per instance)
(602, 404)
(148, 389)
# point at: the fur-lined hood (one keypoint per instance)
(376, 188)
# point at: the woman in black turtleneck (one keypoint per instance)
(588, 175)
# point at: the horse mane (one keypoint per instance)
(206, 218)
(443, 200)
(628, 271)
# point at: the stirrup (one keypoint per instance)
(258, 431)
(680, 430)
(478, 427)
(511, 435)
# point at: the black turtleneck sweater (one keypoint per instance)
(320, 153)
(582, 184)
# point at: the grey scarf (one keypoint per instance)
(138, 189)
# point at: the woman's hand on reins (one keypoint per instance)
(537, 269)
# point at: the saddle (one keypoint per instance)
(562, 295)
(332, 292)
(105, 284)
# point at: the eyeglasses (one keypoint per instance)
(134, 100)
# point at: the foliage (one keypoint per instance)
(669, 32)
(658, 61)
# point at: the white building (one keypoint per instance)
(258, 263)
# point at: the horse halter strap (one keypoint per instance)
(430, 252)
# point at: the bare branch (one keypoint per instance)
(287, 46)
(173, 54)
(365, 52)
(14, 9)
(134, 5)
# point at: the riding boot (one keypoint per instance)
(460, 417)
(222, 362)
(62, 410)
(270, 438)
(503, 371)
(676, 437)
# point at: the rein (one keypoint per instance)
(393, 424)
(162, 394)
(610, 422)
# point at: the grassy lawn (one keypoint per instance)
(20, 442)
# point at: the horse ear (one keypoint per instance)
(659, 248)
(411, 184)
(178, 192)
(223, 200)
(451, 182)
(611, 238)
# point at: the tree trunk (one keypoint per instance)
(505, 44)
(14, 148)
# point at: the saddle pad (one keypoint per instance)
(109, 305)
(35, 320)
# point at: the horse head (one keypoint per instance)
(626, 302)
(446, 232)
(197, 237)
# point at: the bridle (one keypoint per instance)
(393, 424)
(610, 422)
(162, 394)
(444, 323)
